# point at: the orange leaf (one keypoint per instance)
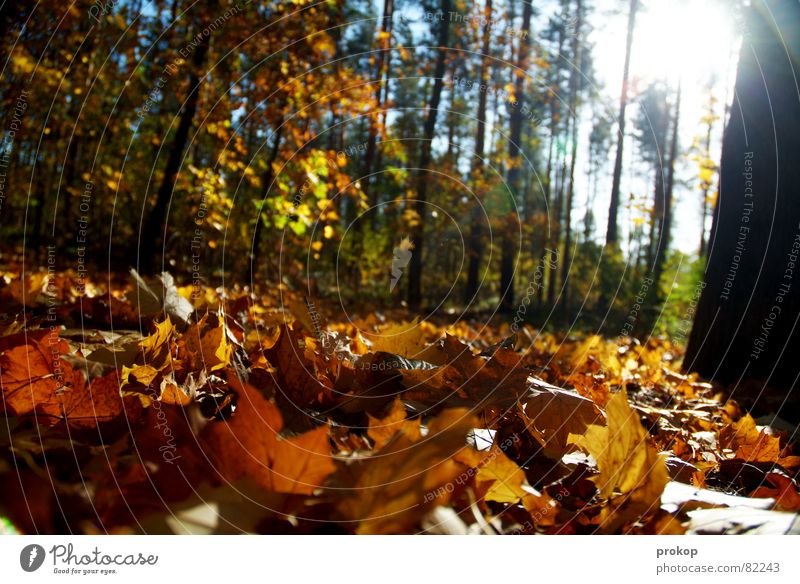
(784, 492)
(392, 490)
(382, 430)
(248, 445)
(750, 443)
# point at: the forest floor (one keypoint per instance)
(154, 408)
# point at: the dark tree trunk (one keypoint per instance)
(746, 321)
(150, 240)
(612, 233)
(665, 230)
(266, 183)
(509, 238)
(384, 46)
(475, 245)
(415, 268)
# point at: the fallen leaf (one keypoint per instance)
(551, 414)
(392, 490)
(631, 470)
(503, 477)
(206, 345)
(381, 431)
(783, 490)
(248, 446)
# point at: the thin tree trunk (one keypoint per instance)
(666, 227)
(573, 98)
(508, 251)
(415, 268)
(152, 229)
(266, 182)
(704, 214)
(475, 242)
(384, 45)
(612, 233)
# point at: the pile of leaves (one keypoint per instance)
(146, 407)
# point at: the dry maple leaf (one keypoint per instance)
(392, 490)
(551, 414)
(295, 376)
(407, 339)
(157, 348)
(503, 477)
(629, 465)
(248, 445)
(497, 477)
(754, 445)
(207, 346)
(382, 430)
(35, 380)
(85, 405)
(469, 380)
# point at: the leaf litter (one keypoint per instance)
(231, 412)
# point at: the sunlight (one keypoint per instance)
(687, 38)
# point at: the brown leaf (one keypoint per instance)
(295, 376)
(248, 445)
(206, 345)
(552, 414)
(391, 491)
(467, 380)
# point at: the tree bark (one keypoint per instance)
(475, 243)
(415, 268)
(574, 83)
(150, 240)
(746, 320)
(508, 251)
(612, 233)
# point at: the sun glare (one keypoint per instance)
(690, 39)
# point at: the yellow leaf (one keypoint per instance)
(156, 348)
(144, 374)
(381, 431)
(504, 476)
(629, 465)
(208, 346)
(404, 339)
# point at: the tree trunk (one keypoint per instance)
(509, 251)
(152, 230)
(745, 323)
(612, 234)
(574, 83)
(665, 231)
(415, 268)
(384, 46)
(475, 243)
(266, 183)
